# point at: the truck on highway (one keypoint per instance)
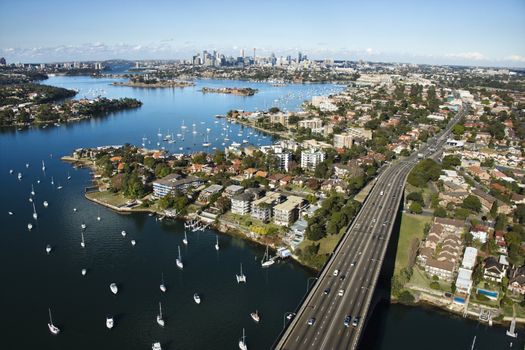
(420, 155)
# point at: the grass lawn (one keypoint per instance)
(420, 279)
(327, 244)
(115, 199)
(411, 228)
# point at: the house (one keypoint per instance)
(348, 170)
(286, 213)
(174, 182)
(208, 192)
(262, 207)
(256, 192)
(464, 281)
(241, 203)
(275, 180)
(249, 173)
(469, 258)
(517, 281)
(493, 270)
(442, 269)
(518, 198)
(232, 190)
(336, 185)
(311, 158)
(480, 233)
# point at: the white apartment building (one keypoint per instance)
(311, 158)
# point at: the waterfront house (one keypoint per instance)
(517, 281)
(262, 207)
(442, 269)
(464, 281)
(241, 203)
(208, 192)
(174, 182)
(287, 212)
(493, 270)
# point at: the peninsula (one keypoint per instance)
(232, 91)
(146, 82)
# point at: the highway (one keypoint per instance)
(358, 259)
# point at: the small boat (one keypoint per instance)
(83, 226)
(197, 298)
(123, 233)
(48, 249)
(109, 321)
(68, 176)
(156, 346)
(27, 165)
(185, 239)
(241, 277)
(242, 342)
(10, 212)
(52, 181)
(35, 215)
(75, 210)
(133, 242)
(59, 187)
(43, 166)
(46, 204)
(255, 316)
(84, 271)
(114, 288)
(19, 176)
(217, 243)
(52, 328)
(30, 200)
(29, 226)
(82, 243)
(10, 171)
(32, 190)
(266, 260)
(162, 285)
(160, 320)
(180, 265)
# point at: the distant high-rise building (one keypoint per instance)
(299, 57)
(242, 53)
(2, 61)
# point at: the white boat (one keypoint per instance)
(52, 328)
(255, 316)
(241, 277)
(235, 144)
(29, 226)
(206, 142)
(160, 320)
(10, 171)
(197, 298)
(123, 233)
(82, 243)
(30, 200)
(59, 187)
(180, 265)
(244, 141)
(75, 210)
(37, 181)
(217, 243)
(242, 342)
(48, 249)
(83, 226)
(46, 204)
(109, 321)
(27, 165)
(35, 215)
(133, 242)
(68, 176)
(162, 285)
(266, 260)
(10, 212)
(156, 346)
(114, 288)
(19, 176)
(185, 239)
(32, 190)
(43, 166)
(52, 181)
(84, 271)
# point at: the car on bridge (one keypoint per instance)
(336, 272)
(347, 321)
(326, 291)
(311, 321)
(341, 292)
(355, 322)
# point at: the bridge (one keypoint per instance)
(346, 285)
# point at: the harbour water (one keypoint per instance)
(32, 281)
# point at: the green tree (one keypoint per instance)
(440, 212)
(416, 197)
(494, 210)
(472, 202)
(416, 208)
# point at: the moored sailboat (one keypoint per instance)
(52, 328)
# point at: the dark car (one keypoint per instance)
(355, 322)
(347, 321)
(311, 321)
(342, 277)
(326, 291)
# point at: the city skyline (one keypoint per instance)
(433, 32)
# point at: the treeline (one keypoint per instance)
(35, 93)
(106, 105)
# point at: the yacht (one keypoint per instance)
(242, 342)
(52, 328)
(109, 321)
(162, 285)
(10, 171)
(160, 320)
(241, 277)
(83, 226)
(114, 288)
(255, 316)
(133, 242)
(82, 243)
(266, 260)
(10, 212)
(43, 166)
(156, 346)
(84, 271)
(48, 249)
(52, 181)
(185, 239)
(32, 190)
(217, 243)
(46, 204)
(59, 187)
(19, 176)
(35, 215)
(29, 226)
(180, 265)
(123, 233)
(197, 298)
(75, 210)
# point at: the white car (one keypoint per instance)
(336, 272)
(341, 292)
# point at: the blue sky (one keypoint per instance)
(427, 31)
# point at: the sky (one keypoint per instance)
(464, 32)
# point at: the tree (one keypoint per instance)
(519, 213)
(458, 129)
(494, 210)
(472, 202)
(501, 222)
(315, 232)
(450, 161)
(416, 208)
(406, 297)
(424, 171)
(416, 197)
(274, 110)
(440, 212)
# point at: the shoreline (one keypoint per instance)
(154, 85)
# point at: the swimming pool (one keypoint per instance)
(488, 293)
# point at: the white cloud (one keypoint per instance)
(474, 56)
(516, 58)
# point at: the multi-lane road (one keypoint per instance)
(346, 285)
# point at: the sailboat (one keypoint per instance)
(123, 233)
(98, 216)
(185, 239)
(109, 321)
(19, 176)
(68, 176)
(217, 243)
(180, 265)
(82, 243)
(32, 190)
(160, 320)
(52, 181)
(83, 226)
(84, 271)
(266, 261)
(52, 328)
(46, 204)
(206, 142)
(133, 242)
(156, 346)
(255, 316)
(242, 342)
(29, 226)
(114, 288)
(197, 298)
(162, 285)
(43, 166)
(35, 215)
(241, 277)
(48, 249)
